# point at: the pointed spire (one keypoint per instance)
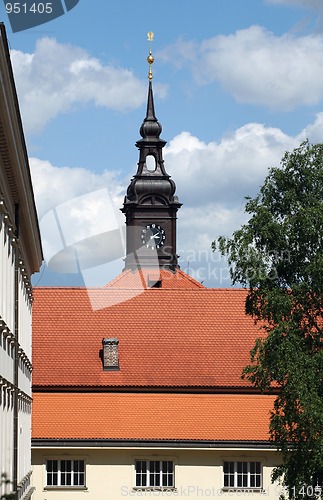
(150, 114)
(150, 128)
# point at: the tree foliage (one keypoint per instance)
(278, 256)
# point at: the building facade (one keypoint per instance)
(20, 257)
(144, 395)
(192, 473)
(137, 387)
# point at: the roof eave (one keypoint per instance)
(156, 443)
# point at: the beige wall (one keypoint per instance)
(110, 473)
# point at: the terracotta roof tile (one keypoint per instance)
(220, 417)
(142, 279)
(167, 336)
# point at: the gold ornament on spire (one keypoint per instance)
(150, 58)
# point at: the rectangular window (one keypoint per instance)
(242, 475)
(65, 473)
(154, 474)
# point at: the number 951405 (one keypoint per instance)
(35, 8)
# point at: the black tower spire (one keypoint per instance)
(150, 205)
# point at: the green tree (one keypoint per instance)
(278, 256)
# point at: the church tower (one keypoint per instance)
(150, 205)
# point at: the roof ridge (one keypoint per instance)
(117, 278)
(190, 278)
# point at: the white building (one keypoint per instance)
(20, 257)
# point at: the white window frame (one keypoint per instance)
(61, 475)
(149, 474)
(238, 476)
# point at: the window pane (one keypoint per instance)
(228, 469)
(255, 474)
(154, 476)
(78, 475)
(168, 473)
(141, 473)
(52, 476)
(242, 474)
(49, 480)
(239, 476)
(140, 466)
(154, 466)
(66, 466)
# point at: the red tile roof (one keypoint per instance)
(220, 417)
(141, 279)
(181, 336)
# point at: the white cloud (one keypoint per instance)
(314, 131)
(226, 171)
(197, 228)
(80, 223)
(257, 67)
(57, 76)
(56, 185)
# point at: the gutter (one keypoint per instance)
(156, 443)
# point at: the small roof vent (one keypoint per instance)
(110, 357)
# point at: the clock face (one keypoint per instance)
(153, 236)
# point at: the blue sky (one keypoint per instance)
(236, 84)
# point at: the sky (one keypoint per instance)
(236, 84)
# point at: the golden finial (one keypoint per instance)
(150, 58)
